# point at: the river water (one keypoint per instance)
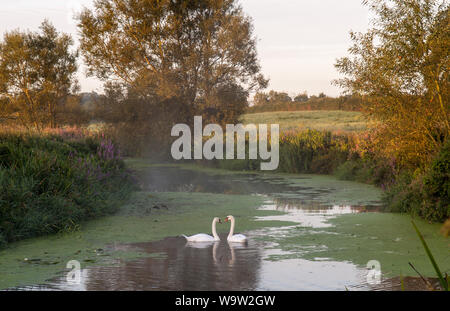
(264, 263)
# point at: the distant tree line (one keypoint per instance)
(281, 101)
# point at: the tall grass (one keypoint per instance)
(52, 182)
(444, 281)
(309, 151)
(313, 151)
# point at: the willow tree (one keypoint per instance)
(184, 55)
(401, 67)
(37, 73)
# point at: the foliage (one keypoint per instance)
(401, 66)
(312, 151)
(443, 281)
(445, 230)
(173, 60)
(273, 97)
(37, 73)
(302, 97)
(51, 183)
(354, 156)
(424, 193)
(437, 181)
(308, 151)
(72, 112)
(274, 101)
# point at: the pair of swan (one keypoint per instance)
(202, 237)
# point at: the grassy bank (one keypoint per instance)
(52, 182)
(313, 152)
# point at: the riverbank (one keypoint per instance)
(52, 182)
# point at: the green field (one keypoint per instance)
(347, 121)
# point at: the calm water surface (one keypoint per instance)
(174, 264)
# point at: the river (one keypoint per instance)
(306, 232)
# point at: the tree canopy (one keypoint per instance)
(185, 53)
(37, 73)
(401, 67)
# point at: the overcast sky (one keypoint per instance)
(298, 40)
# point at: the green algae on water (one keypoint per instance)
(186, 213)
(359, 238)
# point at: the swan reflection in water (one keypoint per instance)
(175, 264)
(220, 256)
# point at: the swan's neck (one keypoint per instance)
(231, 228)
(214, 232)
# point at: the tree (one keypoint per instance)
(260, 99)
(183, 53)
(302, 97)
(138, 130)
(400, 67)
(37, 73)
(73, 112)
(279, 97)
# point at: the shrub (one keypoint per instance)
(425, 194)
(437, 187)
(50, 184)
(348, 170)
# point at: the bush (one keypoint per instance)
(437, 187)
(50, 184)
(424, 194)
(348, 170)
(367, 170)
(309, 151)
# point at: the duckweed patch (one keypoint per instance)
(95, 243)
(388, 238)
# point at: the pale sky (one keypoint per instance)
(298, 40)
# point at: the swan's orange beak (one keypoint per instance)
(226, 219)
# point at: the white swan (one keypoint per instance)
(238, 238)
(202, 237)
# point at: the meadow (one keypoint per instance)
(323, 120)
